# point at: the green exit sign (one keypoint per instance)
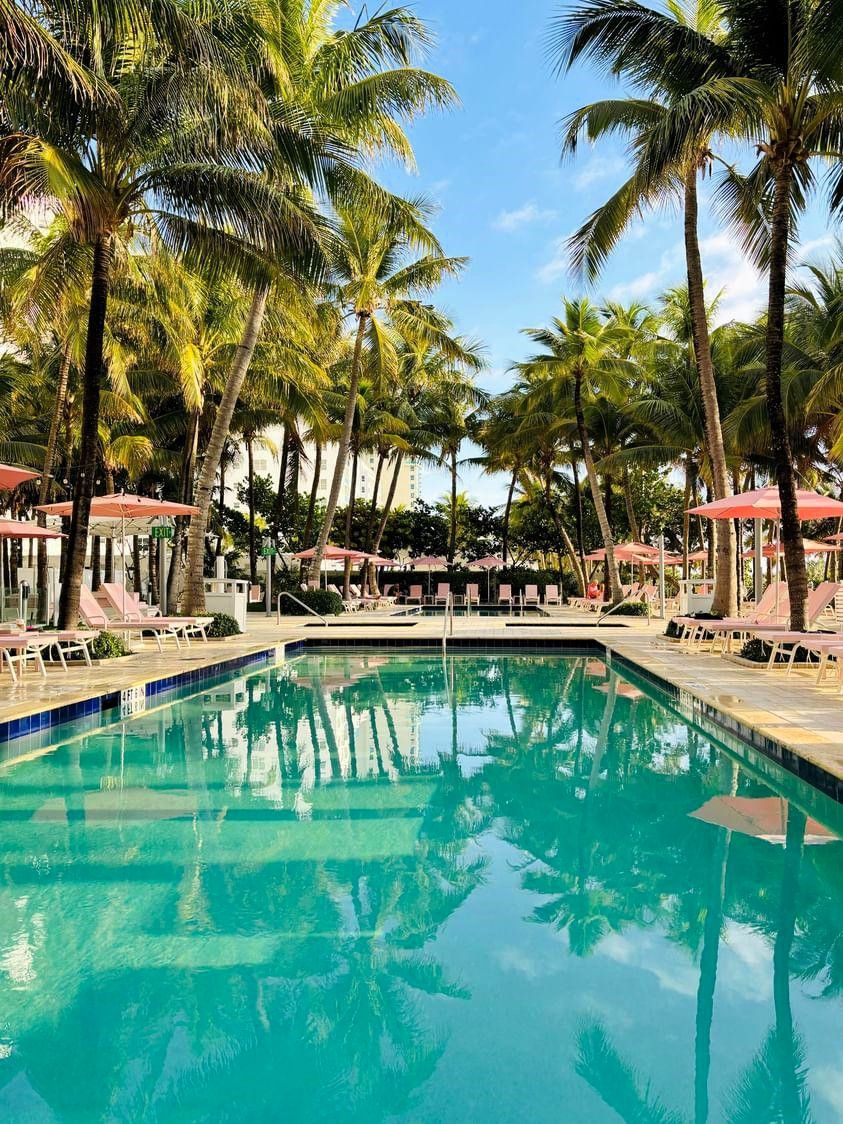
(268, 552)
(160, 532)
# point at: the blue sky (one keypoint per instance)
(505, 201)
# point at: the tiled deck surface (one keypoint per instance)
(789, 710)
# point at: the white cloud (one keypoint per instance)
(808, 250)
(642, 286)
(728, 272)
(558, 263)
(598, 168)
(509, 221)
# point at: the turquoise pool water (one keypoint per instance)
(370, 887)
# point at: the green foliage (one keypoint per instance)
(758, 651)
(223, 625)
(109, 646)
(632, 609)
(322, 601)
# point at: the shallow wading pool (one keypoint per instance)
(376, 886)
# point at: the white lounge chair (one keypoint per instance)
(531, 595)
(551, 595)
(130, 607)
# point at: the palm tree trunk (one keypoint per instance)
(506, 516)
(188, 467)
(686, 520)
(791, 528)
(787, 1047)
(349, 523)
(634, 530)
(77, 542)
(452, 537)
(96, 562)
(45, 487)
(281, 497)
(221, 507)
(725, 597)
(311, 505)
(578, 514)
(387, 508)
(250, 498)
(344, 444)
(370, 522)
(579, 573)
(195, 584)
(615, 591)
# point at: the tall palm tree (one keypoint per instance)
(380, 281)
(129, 166)
(582, 354)
(630, 40)
(334, 96)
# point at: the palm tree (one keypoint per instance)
(129, 167)
(380, 281)
(631, 40)
(335, 95)
(582, 354)
(451, 425)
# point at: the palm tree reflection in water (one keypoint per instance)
(258, 881)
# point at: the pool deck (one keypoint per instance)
(788, 710)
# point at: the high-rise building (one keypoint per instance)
(268, 463)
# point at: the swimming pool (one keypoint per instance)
(369, 885)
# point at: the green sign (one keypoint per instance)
(156, 532)
(268, 552)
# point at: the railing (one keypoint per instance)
(624, 601)
(307, 608)
(448, 620)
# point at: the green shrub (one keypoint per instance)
(322, 601)
(223, 625)
(758, 651)
(109, 646)
(631, 609)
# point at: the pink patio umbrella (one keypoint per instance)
(331, 553)
(489, 563)
(10, 476)
(126, 507)
(428, 562)
(17, 529)
(810, 546)
(764, 817)
(765, 503)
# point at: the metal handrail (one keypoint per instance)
(307, 608)
(624, 601)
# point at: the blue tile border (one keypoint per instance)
(71, 712)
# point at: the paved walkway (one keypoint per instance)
(791, 710)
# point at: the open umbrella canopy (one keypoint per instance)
(429, 561)
(835, 538)
(490, 562)
(810, 546)
(330, 552)
(124, 506)
(10, 476)
(765, 817)
(16, 529)
(764, 503)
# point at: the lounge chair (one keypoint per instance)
(772, 612)
(352, 605)
(472, 594)
(531, 595)
(443, 592)
(826, 597)
(94, 616)
(505, 595)
(20, 647)
(130, 607)
(551, 595)
(415, 595)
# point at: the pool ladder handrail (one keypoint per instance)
(448, 618)
(307, 608)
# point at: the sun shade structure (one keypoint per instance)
(764, 503)
(17, 529)
(764, 817)
(489, 563)
(124, 506)
(10, 476)
(810, 546)
(428, 562)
